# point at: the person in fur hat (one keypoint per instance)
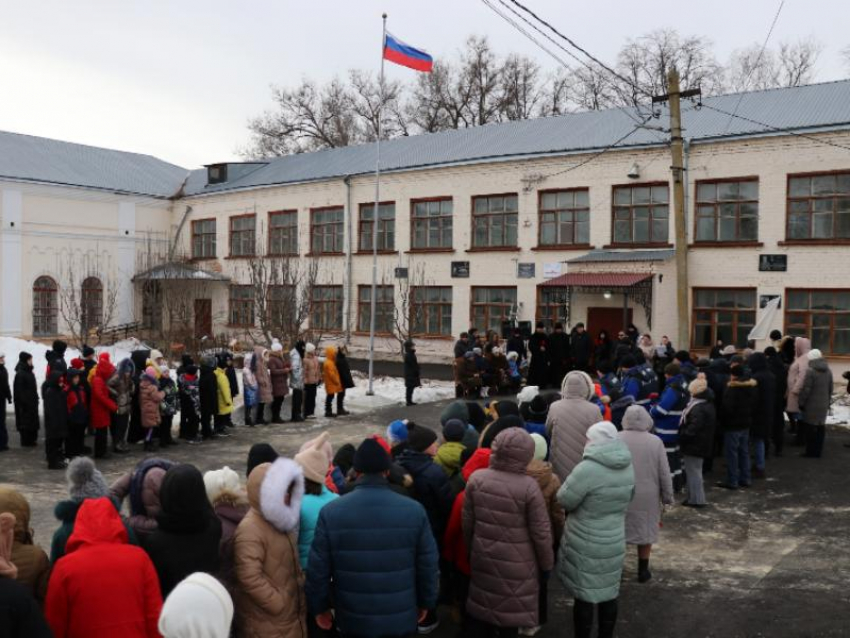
(230, 504)
(270, 595)
(314, 458)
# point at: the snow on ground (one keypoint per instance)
(839, 413)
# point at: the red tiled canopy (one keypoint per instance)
(597, 280)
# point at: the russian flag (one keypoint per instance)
(397, 51)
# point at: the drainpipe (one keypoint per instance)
(348, 257)
(686, 153)
(177, 233)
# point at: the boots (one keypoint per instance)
(607, 618)
(644, 574)
(249, 420)
(261, 412)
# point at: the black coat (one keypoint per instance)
(208, 390)
(766, 406)
(517, 344)
(55, 407)
(559, 356)
(462, 346)
(411, 370)
(344, 371)
(580, 348)
(740, 400)
(780, 375)
(230, 372)
(538, 368)
(430, 487)
(20, 614)
(696, 434)
(603, 351)
(5, 390)
(26, 399)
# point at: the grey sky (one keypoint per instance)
(178, 79)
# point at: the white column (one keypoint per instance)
(11, 266)
(126, 261)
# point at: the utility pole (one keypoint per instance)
(674, 96)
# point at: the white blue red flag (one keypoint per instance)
(397, 51)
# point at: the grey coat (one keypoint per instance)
(568, 422)
(816, 393)
(653, 485)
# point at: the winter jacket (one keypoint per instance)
(20, 613)
(653, 483)
(102, 404)
(699, 421)
(229, 512)
(411, 370)
(188, 534)
(311, 505)
(506, 526)
(149, 400)
(279, 372)
(668, 411)
(740, 401)
(55, 408)
(797, 373)
(66, 513)
(780, 375)
(344, 370)
(374, 591)
(454, 546)
(5, 390)
(142, 486)
(330, 374)
(568, 422)
(259, 367)
(296, 373)
(430, 487)
(538, 367)
(121, 387)
(269, 596)
(170, 401)
(30, 559)
(580, 348)
(224, 399)
(596, 497)
(25, 393)
(103, 587)
(208, 390)
(312, 374)
(77, 405)
(766, 406)
(190, 397)
(230, 371)
(816, 394)
(542, 472)
(448, 457)
(641, 383)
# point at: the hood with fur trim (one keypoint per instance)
(268, 486)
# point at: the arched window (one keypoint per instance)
(91, 304)
(44, 307)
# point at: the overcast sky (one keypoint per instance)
(179, 79)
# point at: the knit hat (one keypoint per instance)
(397, 431)
(497, 427)
(421, 438)
(527, 394)
(87, 351)
(223, 481)
(506, 408)
(258, 454)
(454, 430)
(198, 607)
(602, 432)
(737, 370)
(455, 410)
(155, 354)
(164, 370)
(541, 448)
(697, 386)
(728, 351)
(276, 346)
(309, 348)
(371, 458)
(672, 369)
(7, 539)
(314, 459)
(85, 480)
(325, 446)
(151, 372)
(815, 354)
(538, 408)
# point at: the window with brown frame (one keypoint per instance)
(45, 307)
(431, 311)
(725, 314)
(431, 224)
(281, 304)
(564, 217)
(326, 308)
(819, 206)
(822, 316)
(641, 214)
(491, 306)
(326, 231)
(151, 306)
(494, 221)
(91, 304)
(384, 309)
(386, 227)
(552, 306)
(243, 235)
(283, 232)
(203, 239)
(241, 306)
(727, 210)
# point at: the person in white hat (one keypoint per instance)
(199, 607)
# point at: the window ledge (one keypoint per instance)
(312, 254)
(814, 242)
(726, 244)
(644, 245)
(295, 254)
(380, 252)
(417, 251)
(559, 247)
(212, 258)
(493, 249)
(362, 333)
(236, 257)
(433, 337)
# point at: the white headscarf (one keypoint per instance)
(199, 607)
(601, 433)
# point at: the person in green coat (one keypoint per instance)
(596, 496)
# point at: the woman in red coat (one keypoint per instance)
(102, 587)
(102, 406)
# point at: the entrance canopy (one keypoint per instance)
(177, 271)
(600, 280)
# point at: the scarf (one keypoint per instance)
(694, 401)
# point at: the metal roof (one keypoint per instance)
(595, 256)
(179, 272)
(817, 106)
(40, 159)
(597, 280)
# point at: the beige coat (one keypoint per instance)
(312, 375)
(797, 373)
(269, 593)
(568, 422)
(541, 471)
(31, 561)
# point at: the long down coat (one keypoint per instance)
(26, 396)
(568, 422)
(506, 526)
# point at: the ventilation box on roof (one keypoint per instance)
(230, 171)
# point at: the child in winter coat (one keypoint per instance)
(411, 371)
(190, 402)
(270, 584)
(168, 408)
(55, 421)
(78, 413)
(225, 400)
(103, 407)
(230, 504)
(330, 376)
(314, 462)
(150, 398)
(296, 380)
(449, 453)
(312, 376)
(121, 389)
(535, 414)
(142, 486)
(249, 389)
(279, 370)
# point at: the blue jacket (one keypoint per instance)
(311, 505)
(537, 428)
(430, 487)
(640, 382)
(668, 411)
(373, 555)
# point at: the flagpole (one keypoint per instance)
(370, 391)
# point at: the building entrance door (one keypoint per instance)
(203, 318)
(608, 319)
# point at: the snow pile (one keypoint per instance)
(392, 390)
(839, 413)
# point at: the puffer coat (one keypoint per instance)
(143, 486)
(653, 484)
(261, 373)
(312, 374)
(506, 526)
(296, 374)
(764, 415)
(224, 403)
(121, 387)
(279, 370)
(330, 374)
(797, 373)
(150, 397)
(699, 421)
(269, 596)
(25, 392)
(30, 559)
(568, 422)
(541, 471)
(596, 497)
(816, 394)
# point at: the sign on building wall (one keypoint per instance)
(773, 263)
(525, 271)
(460, 269)
(400, 273)
(552, 270)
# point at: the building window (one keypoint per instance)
(282, 304)
(564, 218)
(386, 227)
(494, 221)
(326, 231)
(151, 306)
(203, 239)
(243, 235)
(431, 311)
(727, 211)
(91, 304)
(821, 315)
(492, 306)
(384, 309)
(819, 206)
(283, 232)
(725, 314)
(431, 227)
(326, 308)
(241, 306)
(45, 309)
(552, 306)
(641, 214)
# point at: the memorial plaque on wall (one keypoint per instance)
(773, 263)
(400, 273)
(525, 271)
(460, 269)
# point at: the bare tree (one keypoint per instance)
(407, 309)
(752, 68)
(522, 94)
(797, 61)
(592, 89)
(557, 91)
(482, 72)
(88, 298)
(368, 101)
